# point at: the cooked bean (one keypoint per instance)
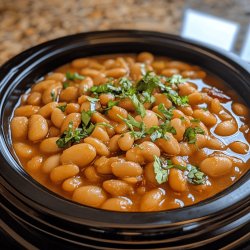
(105, 98)
(69, 94)
(170, 146)
(121, 204)
(170, 72)
(27, 110)
(194, 74)
(63, 172)
(19, 127)
(34, 164)
(239, 147)
(126, 169)
(151, 200)
(113, 143)
(205, 116)
(50, 94)
(23, 150)
(49, 145)
(239, 109)
(57, 77)
(179, 127)
(57, 117)
(216, 166)
(43, 85)
(74, 118)
(71, 184)
(149, 174)
(148, 150)
(99, 118)
(117, 187)
(145, 57)
(121, 128)
(196, 98)
(135, 71)
(85, 85)
(34, 99)
(37, 128)
(226, 128)
(161, 98)
(116, 72)
(103, 164)
(127, 104)
(135, 155)
(89, 195)
(177, 181)
(81, 154)
(187, 149)
(186, 89)
(47, 109)
(53, 132)
(126, 141)
(99, 146)
(115, 112)
(80, 63)
(215, 106)
(150, 119)
(178, 65)
(91, 174)
(72, 108)
(215, 143)
(50, 163)
(100, 134)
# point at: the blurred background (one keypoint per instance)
(221, 23)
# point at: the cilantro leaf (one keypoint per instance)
(168, 113)
(85, 117)
(105, 88)
(74, 76)
(176, 79)
(70, 136)
(161, 169)
(190, 134)
(53, 96)
(138, 106)
(65, 85)
(148, 83)
(194, 175)
(92, 99)
(175, 98)
(62, 107)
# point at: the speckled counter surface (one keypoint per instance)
(25, 23)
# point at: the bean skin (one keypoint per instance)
(216, 166)
(126, 169)
(74, 155)
(38, 128)
(63, 172)
(89, 195)
(120, 204)
(19, 127)
(117, 187)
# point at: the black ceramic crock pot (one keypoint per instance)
(33, 217)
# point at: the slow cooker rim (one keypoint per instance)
(8, 69)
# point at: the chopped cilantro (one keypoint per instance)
(190, 134)
(62, 107)
(148, 83)
(195, 120)
(53, 96)
(194, 175)
(175, 98)
(161, 169)
(176, 79)
(138, 106)
(74, 76)
(70, 136)
(65, 85)
(92, 99)
(168, 113)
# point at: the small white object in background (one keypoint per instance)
(245, 52)
(209, 29)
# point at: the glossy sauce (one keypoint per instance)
(169, 198)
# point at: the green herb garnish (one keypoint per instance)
(168, 113)
(65, 85)
(62, 107)
(176, 79)
(53, 96)
(190, 134)
(138, 106)
(74, 76)
(161, 169)
(194, 175)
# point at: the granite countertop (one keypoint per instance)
(25, 23)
